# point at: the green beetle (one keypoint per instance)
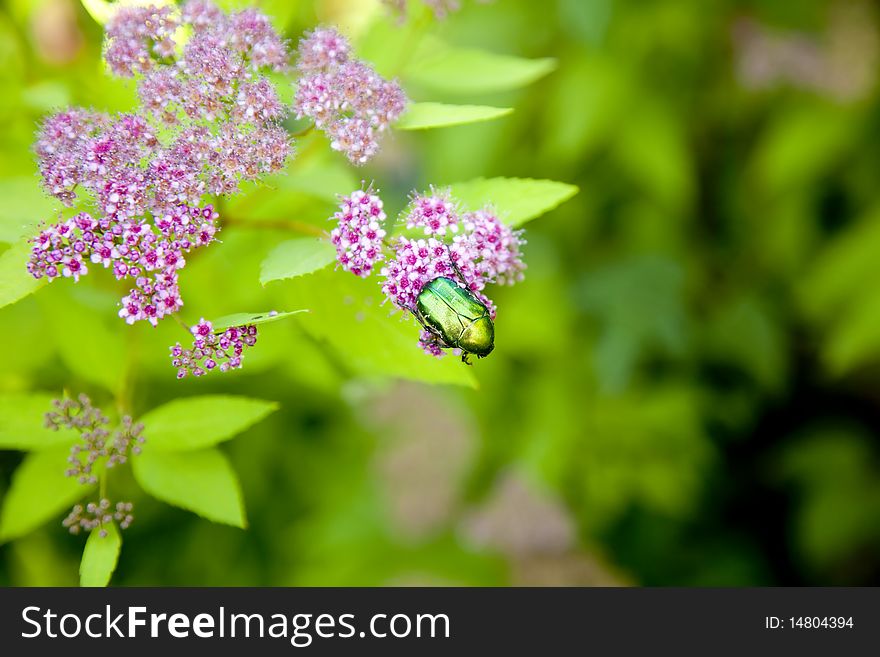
(456, 318)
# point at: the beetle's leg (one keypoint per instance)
(464, 358)
(437, 338)
(456, 269)
(423, 323)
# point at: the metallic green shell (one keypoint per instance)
(457, 315)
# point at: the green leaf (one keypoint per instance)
(296, 258)
(21, 423)
(421, 116)
(653, 151)
(803, 144)
(239, 319)
(444, 68)
(855, 337)
(100, 10)
(517, 200)
(24, 204)
(39, 491)
(386, 44)
(15, 281)
(202, 482)
(92, 341)
(837, 293)
(843, 274)
(99, 557)
(368, 338)
(638, 303)
(197, 422)
(44, 96)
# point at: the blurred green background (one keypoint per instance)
(685, 388)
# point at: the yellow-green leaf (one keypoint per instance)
(296, 257)
(39, 491)
(24, 204)
(517, 200)
(239, 319)
(15, 281)
(422, 116)
(369, 338)
(197, 422)
(100, 557)
(201, 481)
(441, 67)
(22, 423)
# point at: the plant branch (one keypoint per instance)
(182, 323)
(303, 132)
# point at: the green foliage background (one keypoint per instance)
(685, 388)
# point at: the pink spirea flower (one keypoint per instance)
(416, 263)
(355, 137)
(209, 119)
(251, 33)
(137, 37)
(491, 248)
(202, 14)
(344, 97)
(322, 49)
(213, 350)
(214, 89)
(149, 254)
(435, 213)
(483, 250)
(359, 235)
(428, 342)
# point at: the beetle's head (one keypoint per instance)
(478, 337)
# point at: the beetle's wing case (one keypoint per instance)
(436, 312)
(450, 309)
(460, 300)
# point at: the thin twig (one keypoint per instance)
(182, 323)
(304, 131)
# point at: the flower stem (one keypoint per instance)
(304, 131)
(182, 323)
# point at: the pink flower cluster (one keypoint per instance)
(81, 148)
(490, 248)
(428, 342)
(218, 118)
(415, 263)
(344, 97)
(140, 38)
(148, 253)
(472, 248)
(220, 350)
(137, 37)
(435, 213)
(486, 250)
(359, 235)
